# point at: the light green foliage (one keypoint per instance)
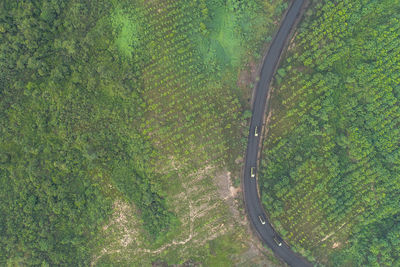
(221, 251)
(126, 28)
(223, 38)
(330, 170)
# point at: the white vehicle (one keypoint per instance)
(256, 131)
(253, 172)
(278, 240)
(260, 217)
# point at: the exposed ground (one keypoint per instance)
(209, 208)
(213, 226)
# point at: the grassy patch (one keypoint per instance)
(127, 29)
(224, 31)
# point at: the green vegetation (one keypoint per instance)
(330, 174)
(112, 114)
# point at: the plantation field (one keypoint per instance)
(121, 130)
(330, 173)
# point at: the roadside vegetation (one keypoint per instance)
(115, 119)
(330, 173)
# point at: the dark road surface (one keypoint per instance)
(252, 201)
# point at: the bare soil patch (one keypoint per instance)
(228, 192)
(247, 79)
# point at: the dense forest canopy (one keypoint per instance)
(68, 110)
(330, 173)
(98, 97)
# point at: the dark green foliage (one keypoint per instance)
(146, 195)
(332, 158)
(68, 108)
(377, 244)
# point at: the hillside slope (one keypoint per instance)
(121, 126)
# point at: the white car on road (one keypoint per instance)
(278, 240)
(261, 218)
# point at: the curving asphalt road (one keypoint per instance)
(251, 198)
